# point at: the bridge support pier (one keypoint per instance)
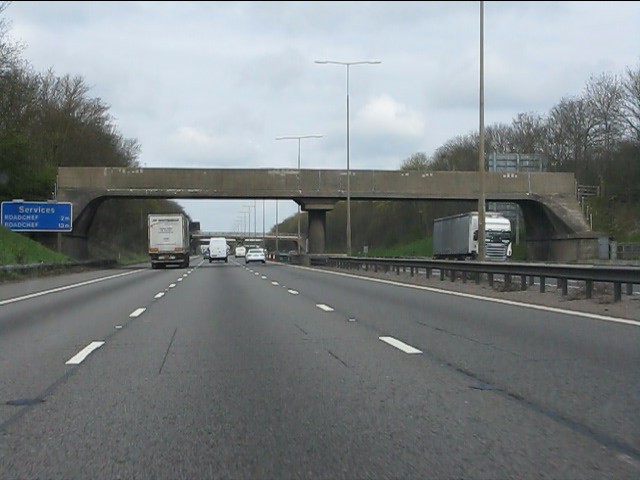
(317, 230)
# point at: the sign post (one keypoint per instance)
(21, 216)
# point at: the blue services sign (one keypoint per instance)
(22, 216)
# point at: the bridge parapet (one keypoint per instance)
(288, 184)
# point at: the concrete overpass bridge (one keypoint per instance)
(555, 227)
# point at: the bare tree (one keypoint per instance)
(529, 132)
(459, 154)
(418, 161)
(570, 129)
(604, 98)
(630, 110)
(499, 138)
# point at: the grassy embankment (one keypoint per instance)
(16, 249)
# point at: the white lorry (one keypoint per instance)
(169, 239)
(456, 236)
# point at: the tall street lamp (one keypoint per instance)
(348, 64)
(277, 237)
(248, 224)
(298, 138)
(255, 215)
(481, 188)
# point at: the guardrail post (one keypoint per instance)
(478, 277)
(564, 285)
(629, 288)
(453, 275)
(442, 274)
(589, 288)
(617, 291)
(543, 284)
(412, 271)
(428, 272)
(531, 280)
(507, 282)
(523, 282)
(490, 278)
(375, 267)
(366, 267)
(464, 277)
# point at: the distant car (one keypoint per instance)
(255, 255)
(240, 251)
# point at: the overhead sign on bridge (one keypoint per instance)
(21, 216)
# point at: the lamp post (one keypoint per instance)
(277, 237)
(248, 224)
(481, 196)
(255, 215)
(348, 64)
(298, 138)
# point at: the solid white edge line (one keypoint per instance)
(67, 287)
(573, 313)
(79, 357)
(394, 342)
(324, 307)
(137, 312)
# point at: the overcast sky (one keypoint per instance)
(213, 84)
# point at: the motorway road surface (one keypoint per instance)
(282, 372)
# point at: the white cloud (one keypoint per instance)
(383, 116)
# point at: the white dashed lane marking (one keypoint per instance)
(324, 307)
(137, 312)
(79, 357)
(400, 345)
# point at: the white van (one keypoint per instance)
(218, 249)
(241, 251)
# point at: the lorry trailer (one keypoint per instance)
(456, 236)
(169, 240)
